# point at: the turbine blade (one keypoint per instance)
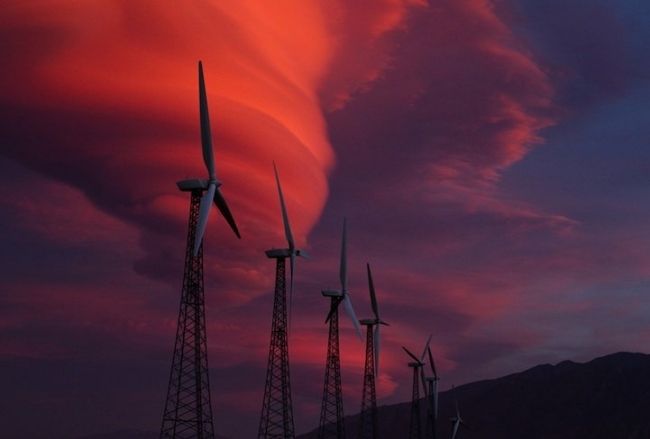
(333, 307)
(373, 297)
(347, 303)
(432, 363)
(424, 352)
(456, 424)
(285, 216)
(343, 272)
(410, 354)
(220, 201)
(204, 213)
(206, 134)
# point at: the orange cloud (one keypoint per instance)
(115, 91)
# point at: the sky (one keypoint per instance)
(491, 159)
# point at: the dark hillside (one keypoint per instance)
(606, 398)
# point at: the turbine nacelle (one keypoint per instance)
(332, 293)
(373, 322)
(284, 253)
(195, 184)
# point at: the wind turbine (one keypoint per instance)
(415, 428)
(277, 411)
(456, 421)
(368, 419)
(432, 397)
(188, 412)
(212, 194)
(343, 295)
(331, 416)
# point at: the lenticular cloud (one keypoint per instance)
(111, 106)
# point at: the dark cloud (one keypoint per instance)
(592, 49)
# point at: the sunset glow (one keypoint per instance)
(490, 157)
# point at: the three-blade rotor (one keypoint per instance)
(212, 194)
(293, 251)
(377, 320)
(419, 361)
(457, 420)
(343, 277)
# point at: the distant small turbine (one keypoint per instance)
(456, 421)
(432, 398)
(415, 425)
(368, 424)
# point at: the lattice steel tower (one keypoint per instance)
(331, 415)
(368, 426)
(188, 411)
(430, 426)
(415, 426)
(331, 423)
(276, 420)
(368, 422)
(432, 399)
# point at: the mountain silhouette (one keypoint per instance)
(608, 397)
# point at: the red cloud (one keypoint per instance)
(423, 107)
(112, 108)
